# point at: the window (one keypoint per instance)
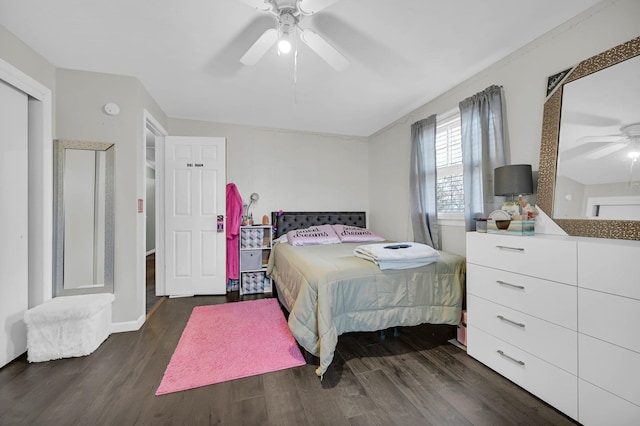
(449, 187)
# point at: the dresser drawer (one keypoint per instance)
(544, 299)
(549, 383)
(554, 344)
(545, 257)
(599, 407)
(609, 367)
(610, 318)
(610, 266)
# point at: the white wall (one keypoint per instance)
(79, 104)
(290, 170)
(523, 76)
(21, 56)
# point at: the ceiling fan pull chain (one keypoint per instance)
(295, 74)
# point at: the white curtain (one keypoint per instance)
(422, 180)
(484, 147)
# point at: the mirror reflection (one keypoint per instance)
(84, 217)
(598, 122)
(598, 173)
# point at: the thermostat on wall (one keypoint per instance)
(112, 109)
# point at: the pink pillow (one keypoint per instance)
(314, 235)
(353, 234)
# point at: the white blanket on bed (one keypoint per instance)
(398, 255)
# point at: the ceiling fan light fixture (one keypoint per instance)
(285, 35)
(287, 21)
(284, 46)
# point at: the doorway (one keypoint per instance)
(153, 242)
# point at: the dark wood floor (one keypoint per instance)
(417, 378)
(150, 276)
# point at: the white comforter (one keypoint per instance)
(398, 255)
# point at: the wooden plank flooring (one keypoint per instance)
(417, 378)
(151, 298)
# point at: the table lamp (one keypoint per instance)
(510, 181)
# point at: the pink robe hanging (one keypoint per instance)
(234, 220)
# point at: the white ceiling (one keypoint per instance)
(186, 53)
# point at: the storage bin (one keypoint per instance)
(253, 282)
(250, 260)
(516, 227)
(251, 238)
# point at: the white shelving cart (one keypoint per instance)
(255, 249)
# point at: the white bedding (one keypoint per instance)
(398, 255)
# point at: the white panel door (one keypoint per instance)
(14, 225)
(195, 195)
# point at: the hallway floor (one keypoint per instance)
(152, 299)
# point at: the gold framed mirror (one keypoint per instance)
(595, 147)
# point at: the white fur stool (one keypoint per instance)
(68, 326)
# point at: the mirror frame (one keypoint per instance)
(615, 229)
(58, 216)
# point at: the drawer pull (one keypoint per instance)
(510, 248)
(517, 361)
(521, 287)
(519, 324)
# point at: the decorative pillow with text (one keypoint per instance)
(353, 234)
(314, 235)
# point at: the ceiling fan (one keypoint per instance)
(288, 14)
(629, 137)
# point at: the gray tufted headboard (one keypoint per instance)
(289, 221)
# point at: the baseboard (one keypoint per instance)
(152, 251)
(122, 327)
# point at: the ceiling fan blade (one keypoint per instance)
(608, 149)
(601, 138)
(260, 47)
(581, 150)
(263, 5)
(578, 118)
(324, 50)
(309, 7)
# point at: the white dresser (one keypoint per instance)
(554, 315)
(608, 333)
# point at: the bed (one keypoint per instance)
(328, 291)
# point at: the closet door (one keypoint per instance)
(13, 222)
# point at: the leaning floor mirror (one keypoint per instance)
(83, 217)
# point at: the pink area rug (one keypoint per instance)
(230, 341)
